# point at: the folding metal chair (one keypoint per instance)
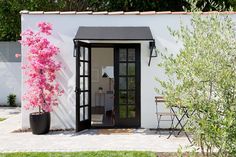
(159, 100)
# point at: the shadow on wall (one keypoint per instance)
(64, 115)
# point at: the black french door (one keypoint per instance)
(83, 86)
(127, 85)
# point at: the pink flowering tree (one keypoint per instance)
(40, 69)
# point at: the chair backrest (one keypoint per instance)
(159, 99)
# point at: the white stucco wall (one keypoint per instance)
(10, 81)
(65, 28)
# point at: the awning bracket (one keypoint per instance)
(152, 47)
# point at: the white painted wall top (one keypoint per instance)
(119, 12)
(65, 26)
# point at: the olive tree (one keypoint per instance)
(202, 77)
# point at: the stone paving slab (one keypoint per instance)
(6, 112)
(26, 142)
(12, 122)
(89, 140)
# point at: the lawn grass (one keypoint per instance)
(2, 119)
(84, 154)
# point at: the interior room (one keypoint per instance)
(102, 86)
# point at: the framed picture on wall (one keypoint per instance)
(95, 75)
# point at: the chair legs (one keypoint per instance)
(172, 121)
(158, 129)
(172, 124)
(158, 124)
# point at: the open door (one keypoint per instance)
(83, 86)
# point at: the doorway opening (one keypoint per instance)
(125, 43)
(102, 87)
(107, 85)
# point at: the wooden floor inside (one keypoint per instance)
(100, 118)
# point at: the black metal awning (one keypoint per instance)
(113, 33)
(117, 33)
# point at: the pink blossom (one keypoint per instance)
(40, 69)
(45, 27)
(17, 55)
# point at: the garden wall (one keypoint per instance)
(10, 71)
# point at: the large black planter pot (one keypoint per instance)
(40, 122)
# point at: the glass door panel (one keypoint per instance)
(127, 85)
(83, 89)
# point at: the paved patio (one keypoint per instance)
(6, 112)
(89, 140)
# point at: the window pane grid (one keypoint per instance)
(84, 76)
(131, 111)
(84, 83)
(122, 69)
(84, 100)
(84, 91)
(122, 83)
(126, 61)
(87, 105)
(84, 61)
(131, 54)
(127, 82)
(126, 111)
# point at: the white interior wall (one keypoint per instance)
(64, 116)
(100, 57)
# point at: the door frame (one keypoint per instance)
(138, 99)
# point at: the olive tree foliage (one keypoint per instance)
(202, 77)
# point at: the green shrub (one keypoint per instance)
(202, 77)
(11, 100)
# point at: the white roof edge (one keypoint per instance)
(119, 12)
(52, 12)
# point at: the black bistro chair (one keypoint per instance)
(170, 116)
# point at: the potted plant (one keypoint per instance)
(11, 100)
(42, 90)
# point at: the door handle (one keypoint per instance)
(77, 90)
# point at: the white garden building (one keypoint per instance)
(109, 65)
